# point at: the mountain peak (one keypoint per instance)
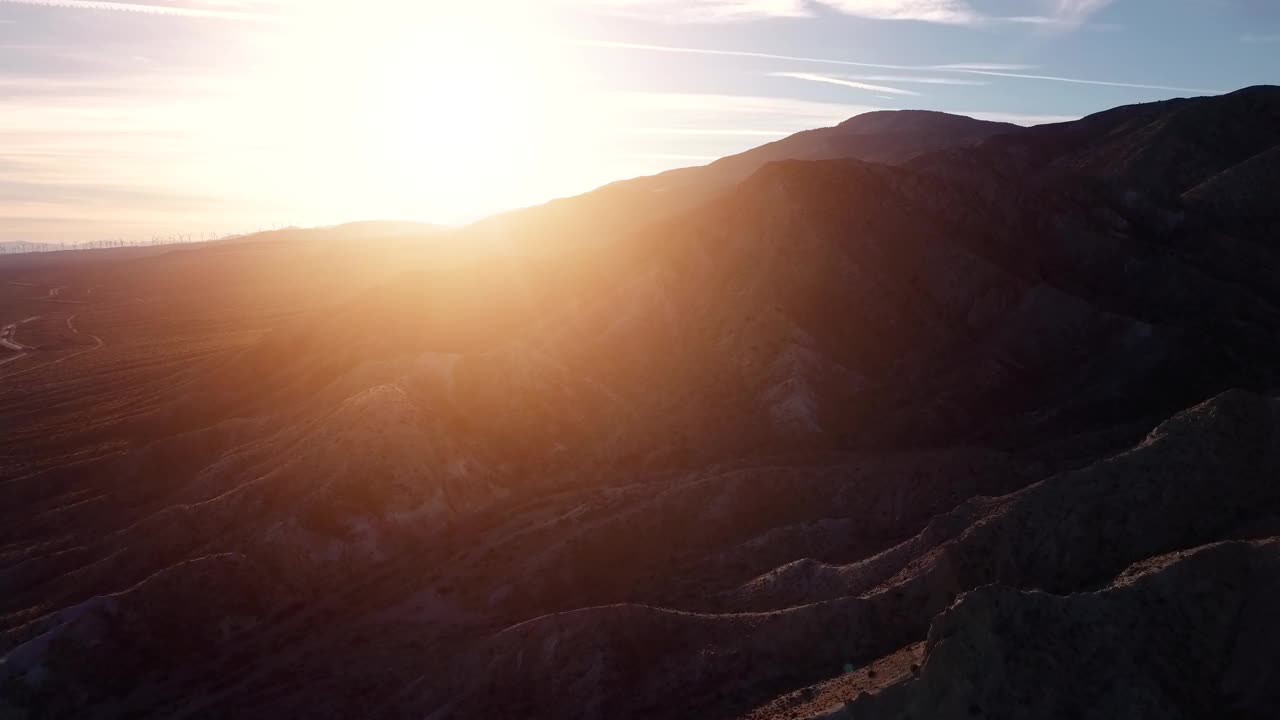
(917, 121)
(1257, 90)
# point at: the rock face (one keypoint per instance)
(917, 416)
(1177, 635)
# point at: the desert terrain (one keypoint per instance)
(918, 416)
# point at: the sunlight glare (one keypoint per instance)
(442, 112)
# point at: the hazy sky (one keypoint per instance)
(135, 119)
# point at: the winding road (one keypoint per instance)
(9, 340)
(9, 330)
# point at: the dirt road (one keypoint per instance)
(70, 326)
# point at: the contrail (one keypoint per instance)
(169, 10)
(1088, 82)
(733, 53)
(815, 77)
(976, 69)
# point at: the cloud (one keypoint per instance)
(1061, 15)
(838, 80)
(916, 79)
(749, 54)
(987, 69)
(758, 105)
(950, 12)
(156, 148)
(699, 10)
(1076, 12)
(1082, 81)
(1058, 14)
(1029, 20)
(980, 66)
(722, 116)
(1069, 14)
(219, 11)
(1253, 38)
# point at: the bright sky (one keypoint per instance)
(200, 116)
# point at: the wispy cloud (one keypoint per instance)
(1062, 15)
(981, 66)
(1254, 38)
(1082, 81)
(948, 12)
(1059, 14)
(1076, 12)
(844, 82)
(694, 11)
(1069, 14)
(217, 11)
(788, 113)
(951, 12)
(987, 69)
(916, 79)
(771, 56)
(1029, 20)
(731, 122)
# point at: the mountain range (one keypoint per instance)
(915, 416)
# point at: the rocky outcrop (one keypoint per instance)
(1178, 635)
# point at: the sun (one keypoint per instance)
(449, 106)
(444, 111)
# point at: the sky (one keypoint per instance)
(203, 117)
